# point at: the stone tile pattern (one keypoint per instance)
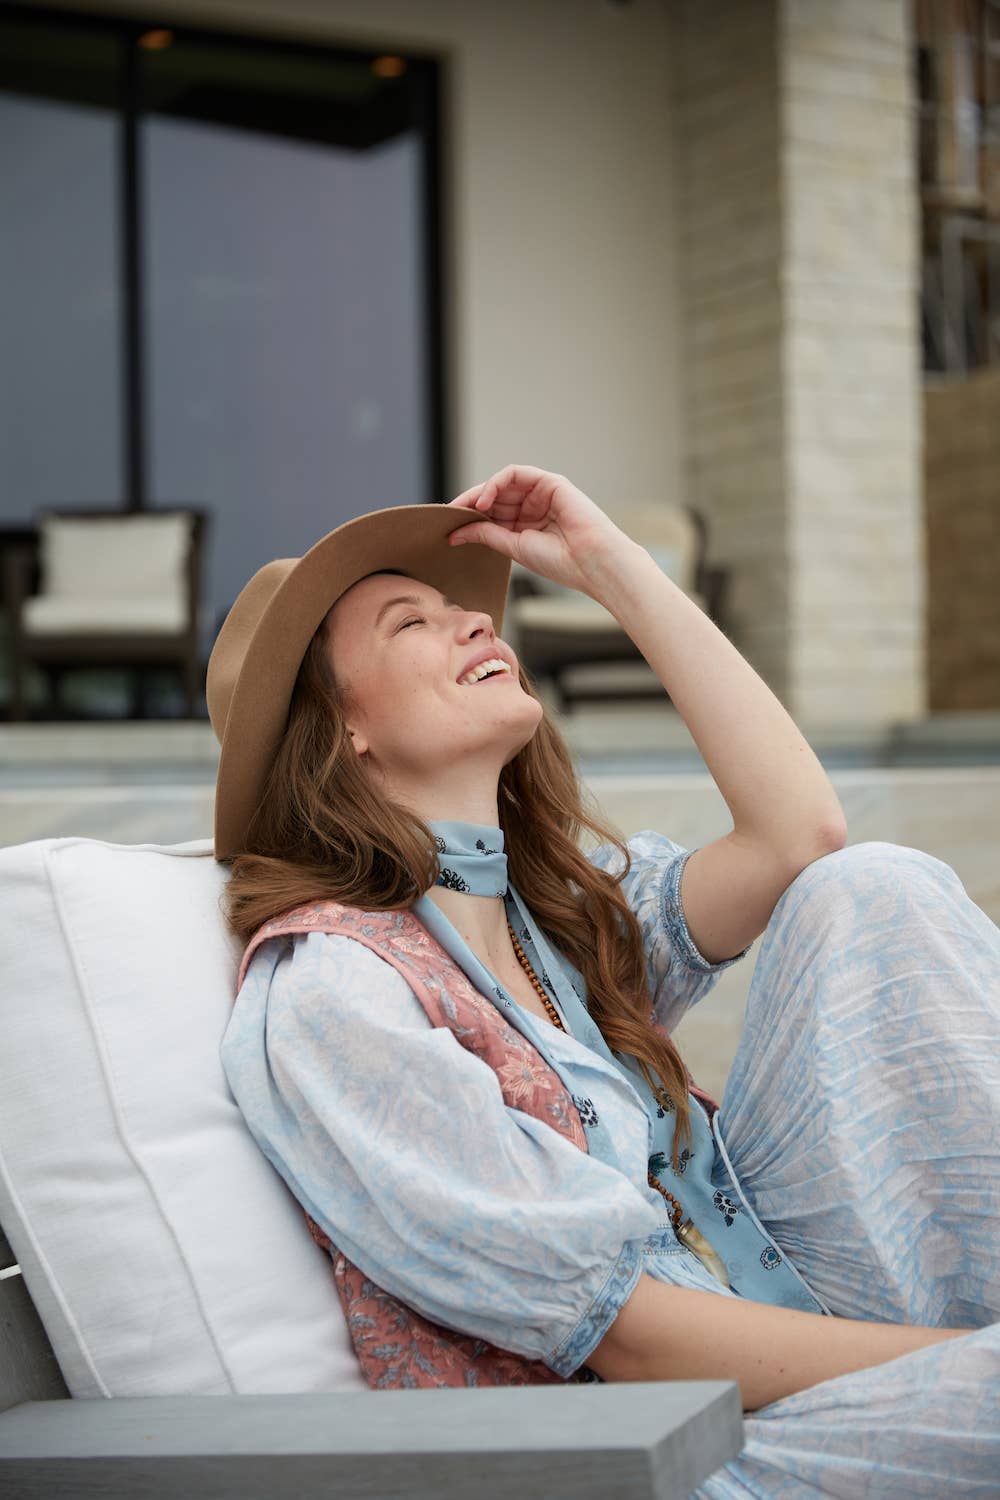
(962, 495)
(798, 220)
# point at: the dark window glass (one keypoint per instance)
(60, 299)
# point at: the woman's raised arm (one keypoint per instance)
(670, 1333)
(785, 811)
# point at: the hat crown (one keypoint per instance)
(233, 641)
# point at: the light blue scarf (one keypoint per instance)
(471, 858)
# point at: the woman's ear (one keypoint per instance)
(358, 740)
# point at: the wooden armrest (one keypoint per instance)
(20, 579)
(643, 1440)
(714, 586)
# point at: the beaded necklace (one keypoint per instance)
(536, 983)
(683, 1228)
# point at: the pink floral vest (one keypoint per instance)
(395, 1345)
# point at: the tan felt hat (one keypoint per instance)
(258, 651)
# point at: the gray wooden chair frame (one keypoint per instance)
(642, 1440)
(60, 651)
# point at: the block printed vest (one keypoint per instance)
(396, 1346)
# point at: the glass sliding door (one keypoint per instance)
(218, 283)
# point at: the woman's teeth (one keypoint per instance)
(483, 670)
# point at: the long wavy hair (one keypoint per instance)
(323, 831)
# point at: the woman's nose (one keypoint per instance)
(476, 623)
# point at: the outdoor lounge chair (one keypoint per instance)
(163, 1263)
(106, 588)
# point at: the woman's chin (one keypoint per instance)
(527, 730)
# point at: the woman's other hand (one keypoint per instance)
(543, 522)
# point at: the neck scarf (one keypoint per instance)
(471, 858)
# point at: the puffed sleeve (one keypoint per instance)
(399, 1144)
(679, 975)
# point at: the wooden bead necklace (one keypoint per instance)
(683, 1228)
(536, 983)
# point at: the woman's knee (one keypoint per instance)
(873, 864)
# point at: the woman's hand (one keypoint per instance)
(541, 521)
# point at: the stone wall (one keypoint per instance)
(962, 499)
(727, 132)
(795, 133)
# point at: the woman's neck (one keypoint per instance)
(480, 920)
(445, 808)
(466, 794)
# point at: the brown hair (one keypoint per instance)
(322, 832)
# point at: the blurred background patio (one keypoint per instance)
(731, 265)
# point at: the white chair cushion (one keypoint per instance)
(48, 614)
(98, 557)
(162, 1251)
(575, 614)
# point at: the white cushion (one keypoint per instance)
(576, 614)
(53, 614)
(162, 1251)
(97, 557)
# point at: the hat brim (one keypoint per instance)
(409, 538)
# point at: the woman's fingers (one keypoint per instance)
(467, 499)
(518, 481)
(500, 538)
(512, 478)
(538, 518)
(518, 496)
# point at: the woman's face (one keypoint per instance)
(403, 653)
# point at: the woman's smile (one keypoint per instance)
(489, 668)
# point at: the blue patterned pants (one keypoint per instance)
(862, 1115)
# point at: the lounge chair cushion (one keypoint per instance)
(162, 1251)
(100, 557)
(51, 614)
(576, 615)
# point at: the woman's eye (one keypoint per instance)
(415, 621)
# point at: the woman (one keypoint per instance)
(828, 1237)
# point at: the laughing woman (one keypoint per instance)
(452, 1031)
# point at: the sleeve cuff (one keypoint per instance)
(574, 1350)
(672, 913)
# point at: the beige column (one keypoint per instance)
(799, 264)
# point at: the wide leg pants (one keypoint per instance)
(862, 1117)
